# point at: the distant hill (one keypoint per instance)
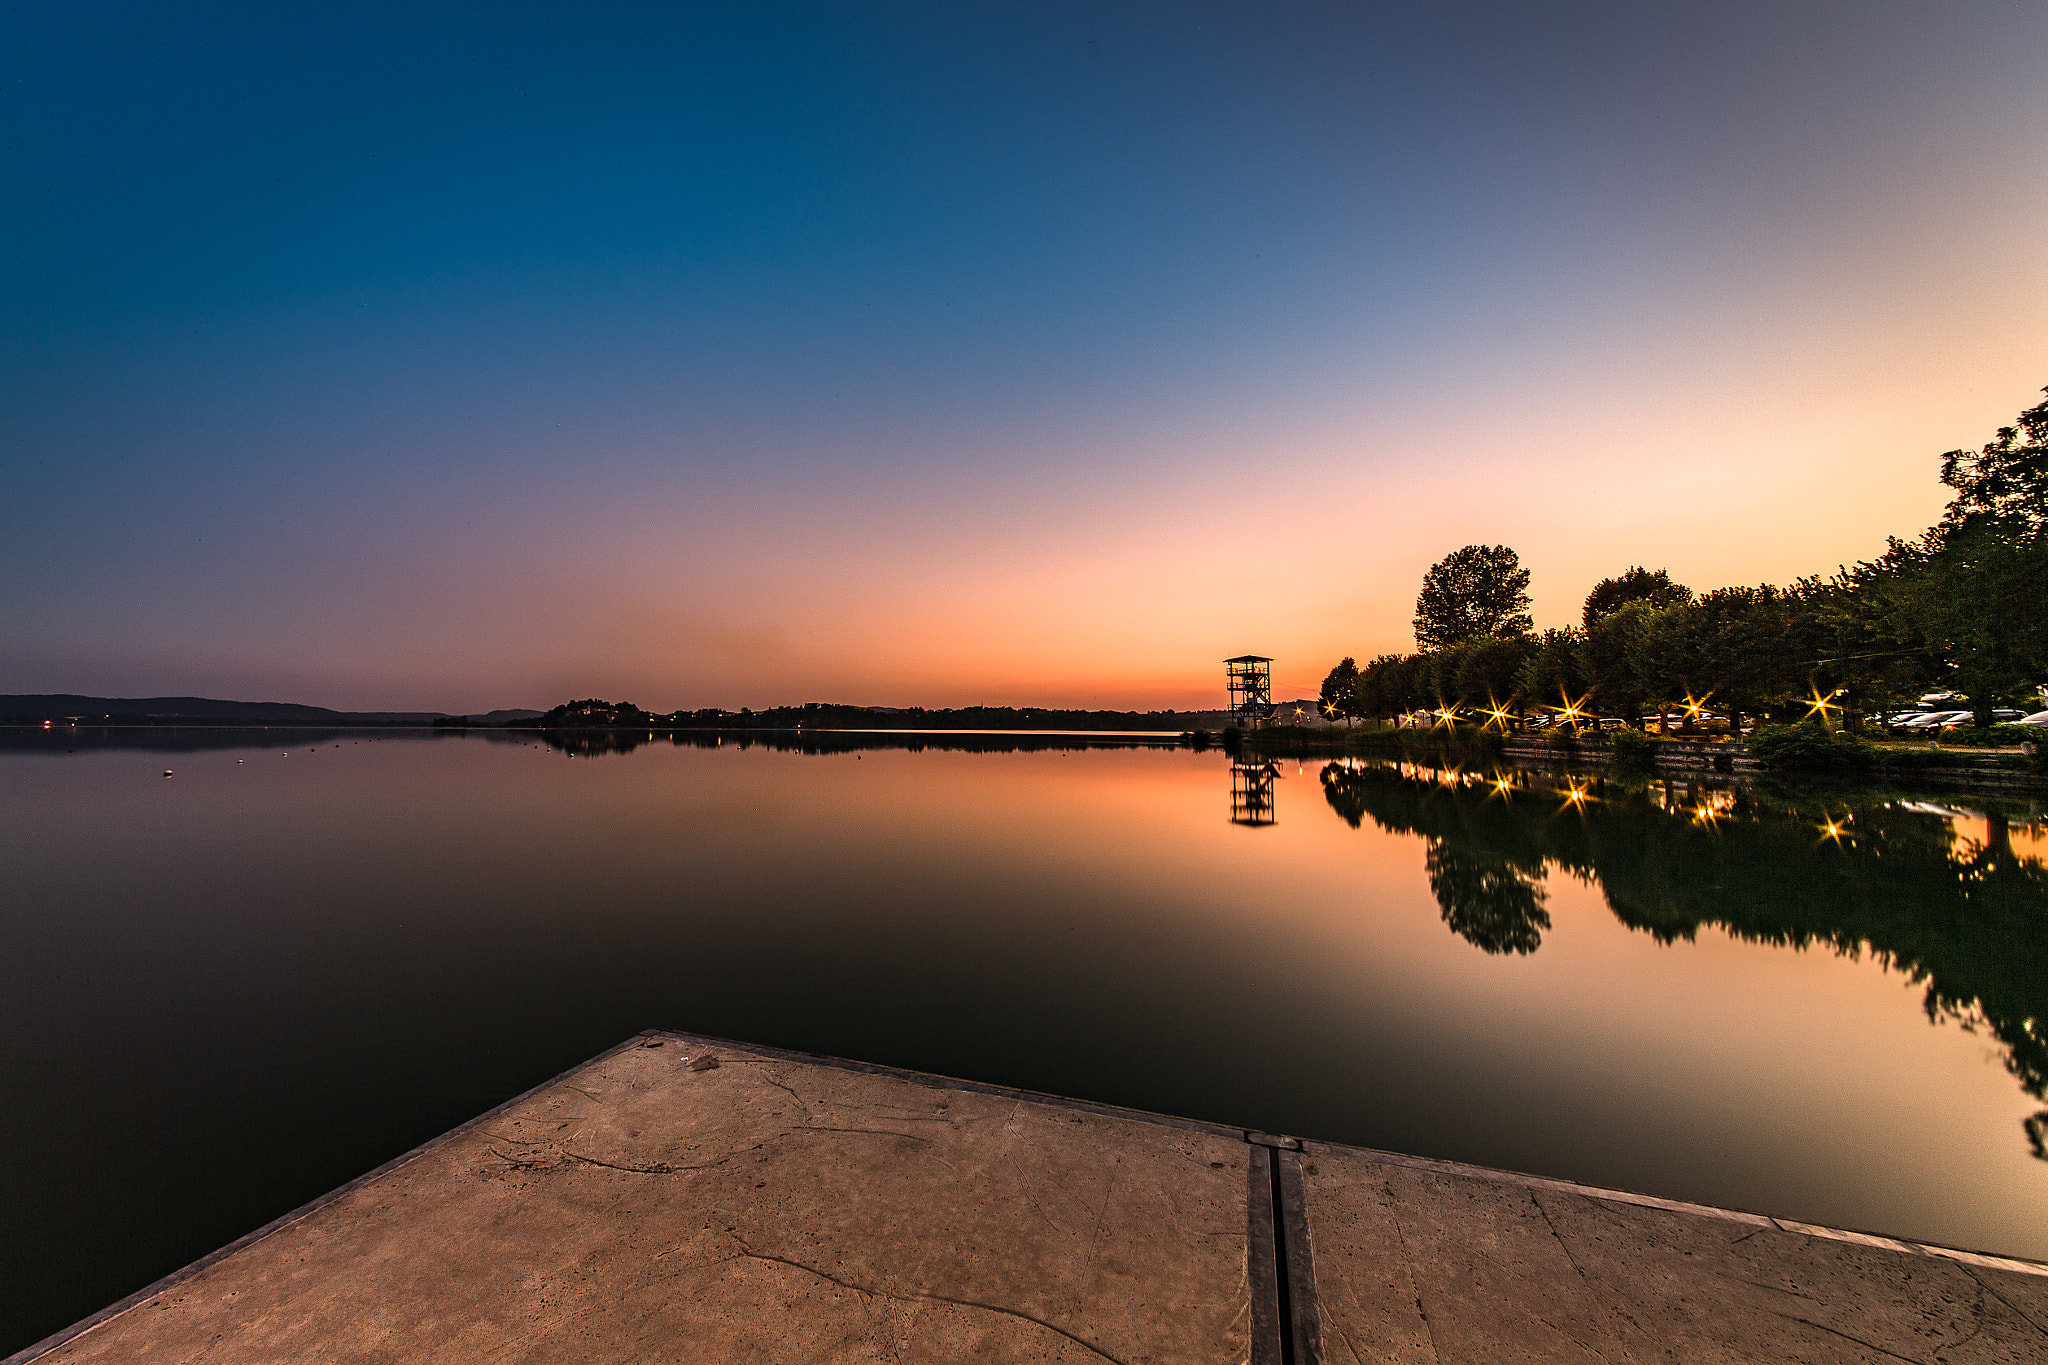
(65, 707)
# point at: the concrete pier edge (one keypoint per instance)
(284, 1220)
(1283, 1300)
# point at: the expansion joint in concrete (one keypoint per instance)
(1286, 1326)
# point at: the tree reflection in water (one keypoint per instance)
(1869, 873)
(1495, 902)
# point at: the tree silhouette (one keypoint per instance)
(1476, 592)
(1637, 585)
(1339, 690)
(1490, 902)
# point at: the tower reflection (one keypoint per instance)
(1251, 792)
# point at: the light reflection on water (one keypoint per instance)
(230, 990)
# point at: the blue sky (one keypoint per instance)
(458, 358)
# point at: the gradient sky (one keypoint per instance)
(951, 353)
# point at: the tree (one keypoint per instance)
(1338, 690)
(1975, 591)
(2006, 482)
(1476, 592)
(1988, 562)
(1637, 585)
(1491, 671)
(1742, 649)
(1393, 684)
(1607, 657)
(1444, 666)
(1554, 670)
(1967, 594)
(1376, 693)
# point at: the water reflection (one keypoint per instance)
(1495, 902)
(1967, 918)
(594, 743)
(1251, 792)
(225, 994)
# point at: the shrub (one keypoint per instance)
(2015, 734)
(1809, 744)
(1633, 749)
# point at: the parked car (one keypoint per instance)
(1934, 720)
(1965, 719)
(2038, 718)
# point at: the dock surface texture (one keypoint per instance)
(649, 1206)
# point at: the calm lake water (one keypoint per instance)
(228, 991)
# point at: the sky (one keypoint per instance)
(451, 358)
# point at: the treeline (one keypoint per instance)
(593, 713)
(1964, 608)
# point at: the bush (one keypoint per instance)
(1633, 749)
(1809, 744)
(2015, 734)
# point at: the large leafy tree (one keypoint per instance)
(1971, 588)
(1480, 591)
(1609, 595)
(2006, 482)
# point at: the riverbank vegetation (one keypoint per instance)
(1963, 608)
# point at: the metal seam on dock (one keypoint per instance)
(1304, 1325)
(1261, 1258)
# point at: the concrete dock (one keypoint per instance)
(683, 1199)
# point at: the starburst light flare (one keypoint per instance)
(1821, 705)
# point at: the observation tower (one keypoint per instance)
(1250, 679)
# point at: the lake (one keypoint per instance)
(226, 991)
